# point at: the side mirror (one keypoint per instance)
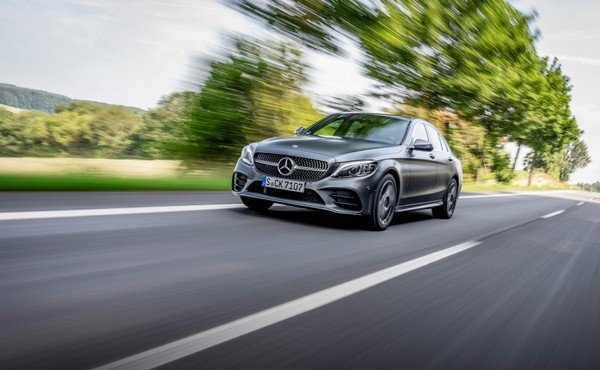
(299, 131)
(423, 145)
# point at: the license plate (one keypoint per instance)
(283, 184)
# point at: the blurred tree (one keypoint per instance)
(466, 56)
(501, 168)
(299, 111)
(590, 187)
(248, 96)
(346, 103)
(548, 124)
(97, 129)
(574, 157)
(475, 58)
(562, 163)
(163, 128)
(78, 128)
(11, 138)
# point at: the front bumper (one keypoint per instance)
(350, 196)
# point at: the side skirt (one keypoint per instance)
(414, 207)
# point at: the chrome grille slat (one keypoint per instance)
(306, 168)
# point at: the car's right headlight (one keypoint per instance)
(355, 169)
(247, 155)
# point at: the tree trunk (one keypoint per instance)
(514, 165)
(483, 150)
(531, 170)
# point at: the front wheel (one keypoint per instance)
(258, 205)
(384, 204)
(446, 210)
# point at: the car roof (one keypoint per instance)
(377, 114)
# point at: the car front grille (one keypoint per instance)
(307, 169)
(308, 195)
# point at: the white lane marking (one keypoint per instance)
(489, 196)
(31, 215)
(184, 347)
(553, 213)
(580, 203)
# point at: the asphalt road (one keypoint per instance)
(81, 291)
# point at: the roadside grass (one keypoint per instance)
(483, 187)
(540, 181)
(89, 182)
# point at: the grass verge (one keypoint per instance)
(474, 187)
(82, 182)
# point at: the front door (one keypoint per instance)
(442, 158)
(422, 170)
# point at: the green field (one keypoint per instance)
(81, 182)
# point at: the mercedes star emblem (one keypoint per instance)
(286, 166)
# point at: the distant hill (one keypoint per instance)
(25, 98)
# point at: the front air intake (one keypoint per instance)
(346, 199)
(238, 181)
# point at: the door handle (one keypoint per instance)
(431, 155)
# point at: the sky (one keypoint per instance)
(132, 52)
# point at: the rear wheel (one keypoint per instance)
(258, 205)
(384, 204)
(446, 210)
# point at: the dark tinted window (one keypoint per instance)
(383, 129)
(434, 137)
(419, 132)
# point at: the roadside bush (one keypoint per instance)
(501, 167)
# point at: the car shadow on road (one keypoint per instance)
(330, 220)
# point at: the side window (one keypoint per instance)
(435, 139)
(444, 144)
(419, 132)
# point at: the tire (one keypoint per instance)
(258, 205)
(446, 210)
(384, 204)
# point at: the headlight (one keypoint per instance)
(246, 156)
(355, 169)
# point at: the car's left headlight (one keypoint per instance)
(247, 155)
(355, 169)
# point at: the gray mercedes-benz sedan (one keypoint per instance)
(353, 163)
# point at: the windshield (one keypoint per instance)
(383, 129)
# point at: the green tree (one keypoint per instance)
(574, 157)
(561, 163)
(11, 136)
(548, 125)
(163, 128)
(101, 130)
(346, 103)
(475, 58)
(246, 97)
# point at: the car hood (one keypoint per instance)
(330, 149)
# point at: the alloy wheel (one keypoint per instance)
(386, 203)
